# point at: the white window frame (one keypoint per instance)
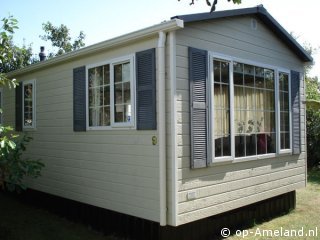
(34, 90)
(112, 62)
(231, 60)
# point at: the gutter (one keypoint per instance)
(162, 127)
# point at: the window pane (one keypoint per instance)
(250, 96)
(119, 113)
(238, 78)
(118, 73)
(118, 97)
(249, 75)
(260, 99)
(217, 96)
(285, 141)
(239, 98)
(96, 116)
(221, 109)
(126, 92)
(271, 143)
(269, 100)
(216, 71)
(106, 116)
(106, 94)
(126, 72)
(98, 95)
(127, 113)
(269, 78)
(239, 146)
(218, 147)
(262, 143)
(28, 104)
(226, 146)
(106, 74)
(284, 122)
(269, 122)
(225, 72)
(251, 145)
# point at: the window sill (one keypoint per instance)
(111, 128)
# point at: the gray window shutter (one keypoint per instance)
(79, 99)
(146, 90)
(295, 108)
(19, 107)
(198, 75)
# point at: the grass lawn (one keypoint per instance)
(19, 221)
(306, 216)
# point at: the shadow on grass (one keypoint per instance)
(314, 175)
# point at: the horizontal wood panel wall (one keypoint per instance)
(223, 187)
(113, 169)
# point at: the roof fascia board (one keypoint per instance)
(167, 26)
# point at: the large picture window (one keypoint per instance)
(249, 116)
(29, 104)
(110, 95)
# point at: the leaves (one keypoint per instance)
(214, 3)
(60, 38)
(13, 168)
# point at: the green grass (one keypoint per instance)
(20, 222)
(306, 216)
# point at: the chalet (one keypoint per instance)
(172, 125)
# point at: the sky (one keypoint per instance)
(101, 20)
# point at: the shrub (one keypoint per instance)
(313, 137)
(13, 168)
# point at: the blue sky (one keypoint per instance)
(102, 20)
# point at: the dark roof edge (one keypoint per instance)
(264, 16)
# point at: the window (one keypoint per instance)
(110, 95)
(28, 92)
(246, 119)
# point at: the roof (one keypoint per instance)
(261, 13)
(166, 26)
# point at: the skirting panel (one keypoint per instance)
(129, 227)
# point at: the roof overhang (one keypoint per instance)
(166, 26)
(264, 16)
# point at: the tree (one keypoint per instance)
(214, 3)
(13, 168)
(60, 38)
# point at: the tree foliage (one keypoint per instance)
(61, 39)
(13, 168)
(214, 3)
(12, 57)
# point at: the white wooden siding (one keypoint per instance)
(113, 169)
(223, 187)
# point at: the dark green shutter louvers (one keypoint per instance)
(198, 75)
(19, 107)
(295, 108)
(79, 99)
(146, 90)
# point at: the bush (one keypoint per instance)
(313, 137)
(13, 168)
